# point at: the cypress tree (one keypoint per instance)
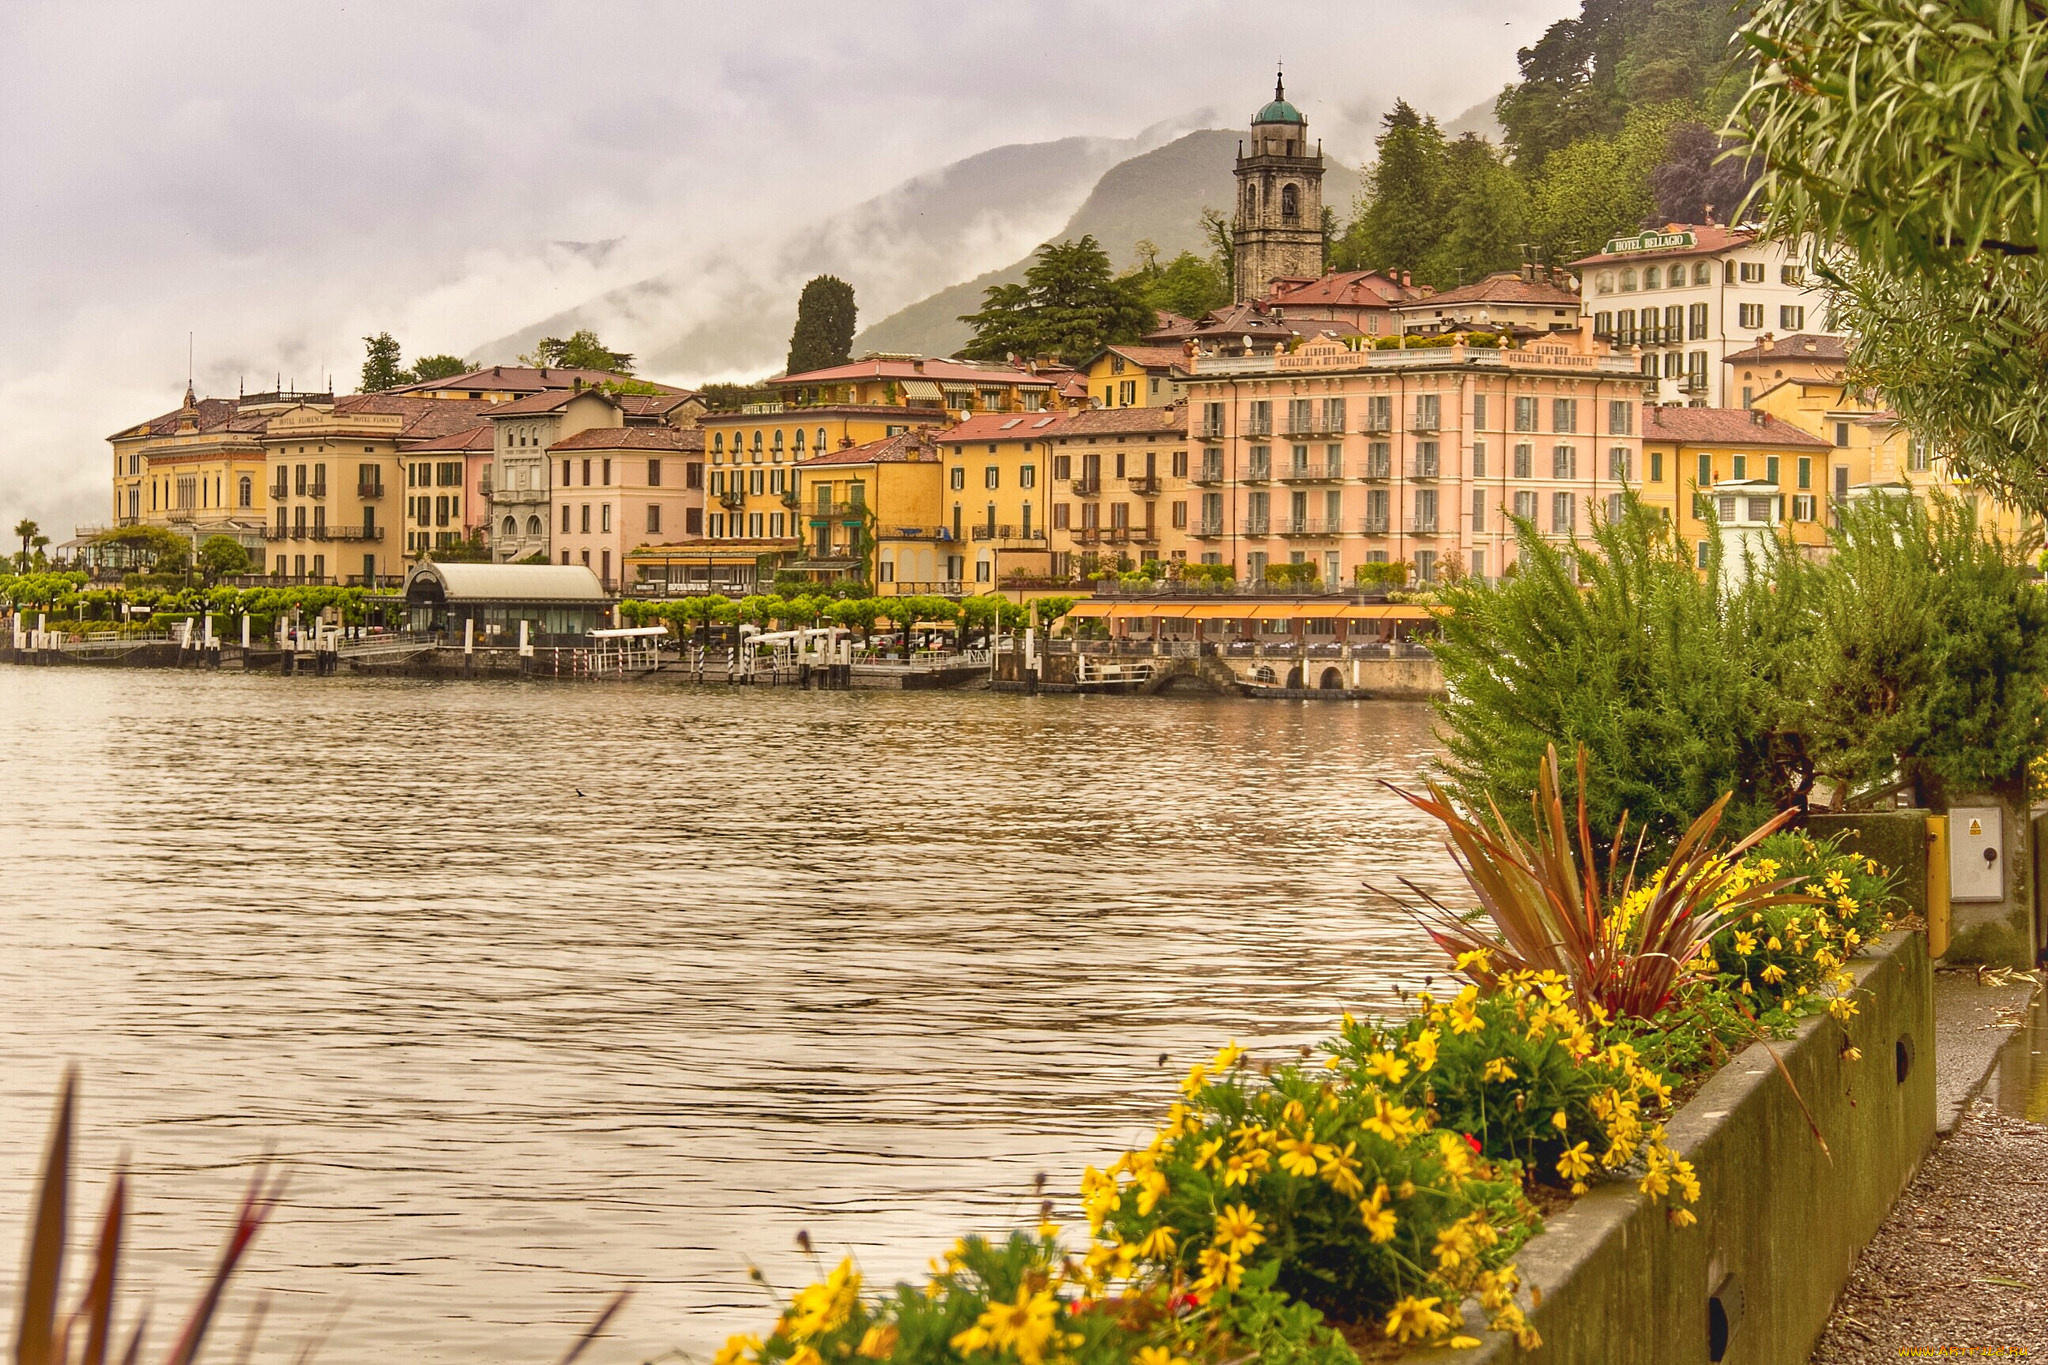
(823, 337)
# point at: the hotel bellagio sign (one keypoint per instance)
(1649, 241)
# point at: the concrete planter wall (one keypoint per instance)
(1610, 1281)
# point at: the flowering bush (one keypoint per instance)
(1788, 958)
(1368, 1212)
(1530, 1078)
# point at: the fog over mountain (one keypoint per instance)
(274, 182)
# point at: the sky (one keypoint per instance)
(275, 181)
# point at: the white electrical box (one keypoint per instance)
(1976, 853)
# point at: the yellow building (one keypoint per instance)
(199, 470)
(1762, 474)
(872, 512)
(1119, 487)
(997, 484)
(1137, 376)
(338, 483)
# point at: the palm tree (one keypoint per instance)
(27, 530)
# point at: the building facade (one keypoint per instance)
(1692, 295)
(1757, 475)
(1279, 229)
(998, 489)
(448, 492)
(1336, 457)
(1119, 488)
(871, 512)
(521, 471)
(1521, 302)
(1137, 376)
(617, 489)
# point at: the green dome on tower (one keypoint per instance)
(1279, 111)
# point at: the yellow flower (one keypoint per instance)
(1681, 1218)
(736, 1348)
(1380, 1221)
(1151, 1189)
(1391, 1121)
(1158, 1355)
(806, 1355)
(1498, 1069)
(1220, 1270)
(1238, 1229)
(1227, 1057)
(1560, 1120)
(1846, 904)
(1416, 1319)
(1773, 944)
(878, 1341)
(1197, 1077)
(1422, 1047)
(1478, 960)
(1456, 1156)
(819, 1308)
(1842, 1007)
(1340, 1171)
(1301, 1156)
(1388, 1065)
(1745, 943)
(1157, 1244)
(1835, 881)
(971, 1340)
(1772, 974)
(1575, 1163)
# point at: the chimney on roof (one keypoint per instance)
(1767, 342)
(1759, 417)
(1407, 280)
(918, 364)
(576, 384)
(497, 370)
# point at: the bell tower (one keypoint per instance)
(1279, 229)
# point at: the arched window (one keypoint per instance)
(819, 444)
(1604, 281)
(718, 443)
(1290, 202)
(757, 442)
(511, 529)
(1702, 274)
(533, 527)
(1251, 198)
(245, 491)
(1652, 278)
(799, 447)
(1628, 281)
(778, 440)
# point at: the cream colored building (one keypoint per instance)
(621, 489)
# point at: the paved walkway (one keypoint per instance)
(1960, 1269)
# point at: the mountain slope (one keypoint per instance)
(731, 309)
(1157, 196)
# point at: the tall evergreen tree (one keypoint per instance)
(381, 371)
(1070, 305)
(1399, 221)
(1482, 216)
(823, 336)
(581, 350)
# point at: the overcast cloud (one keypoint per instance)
(280, 179)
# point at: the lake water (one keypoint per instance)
(539, 991)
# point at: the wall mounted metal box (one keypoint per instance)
(1976, 853)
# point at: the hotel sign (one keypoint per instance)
(1650, 241)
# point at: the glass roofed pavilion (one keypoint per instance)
(562, 602)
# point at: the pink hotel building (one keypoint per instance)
(1342, 457)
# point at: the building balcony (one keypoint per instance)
(369, 533)
(1145, 535)
(1380, 424)
(836, 511)
(1117, 535)
(1143, 485)
(1258, 428)
(1425, 426)
(1256, 526)
(1311, 526)
(732, 501)
(1423, 469)
(514, 497)
(483, 484)
(181, 514)
(1423, 528)
(1317, 428)
(1315, 471)
(1207, 474)
(1206, 528)
(1087, 488)
(370, 490)
(791, 499)
(1373, 526)
(1257, 473)
(314, 490)
(1377, 471)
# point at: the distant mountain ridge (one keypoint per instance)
(731, 310)
(1156, 196)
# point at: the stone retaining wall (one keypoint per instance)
(1781, 1221)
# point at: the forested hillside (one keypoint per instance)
(1610, 128)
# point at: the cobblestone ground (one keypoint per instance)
(1960, 1269)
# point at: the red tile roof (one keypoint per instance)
(1503, 286)
(469, 439)
(1171, 420)
(1708, 239)
(548, 400)
(1006, 426)
(1798, 346)
(938, 371)
(211, 414)
(904, 447)
(632, 438)
(1149, 357)
(1349, 288)
(1724, 426)
(524, 379)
